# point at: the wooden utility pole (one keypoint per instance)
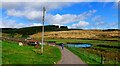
(43, 30)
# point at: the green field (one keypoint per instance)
(12, 53)
(94, 42)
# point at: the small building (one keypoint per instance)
(32, 42)
(51, 43)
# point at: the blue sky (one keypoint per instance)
(85, 15)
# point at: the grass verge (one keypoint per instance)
(12, 53)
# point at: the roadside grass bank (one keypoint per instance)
(12, 53)
(95, 57)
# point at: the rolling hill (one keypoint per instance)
(80, 34)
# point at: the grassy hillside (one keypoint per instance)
(12, 53)
(77, 34)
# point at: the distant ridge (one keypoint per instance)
(48, 28)
(34, 29)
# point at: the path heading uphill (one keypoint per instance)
(69, 58)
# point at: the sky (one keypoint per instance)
(80, 15)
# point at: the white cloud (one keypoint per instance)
(100, 24)
(35, 5)
(97, 19)
(31, 10)
(58, 0)
(68, 18)
(32, 14)
(80, 24)
(117, 0)
(61, 19)
(36, 24)
(29, 14)
(11, 24)
(113, 24)
(86, 15)
(14, 24)
(14, 13)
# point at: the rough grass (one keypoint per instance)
(12, 53)
(76, 34)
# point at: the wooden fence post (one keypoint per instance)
(116, 60)
(102, 59)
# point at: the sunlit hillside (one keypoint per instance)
(88, 34)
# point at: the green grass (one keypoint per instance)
(12, 53)
(94, 42)
(107, 49)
